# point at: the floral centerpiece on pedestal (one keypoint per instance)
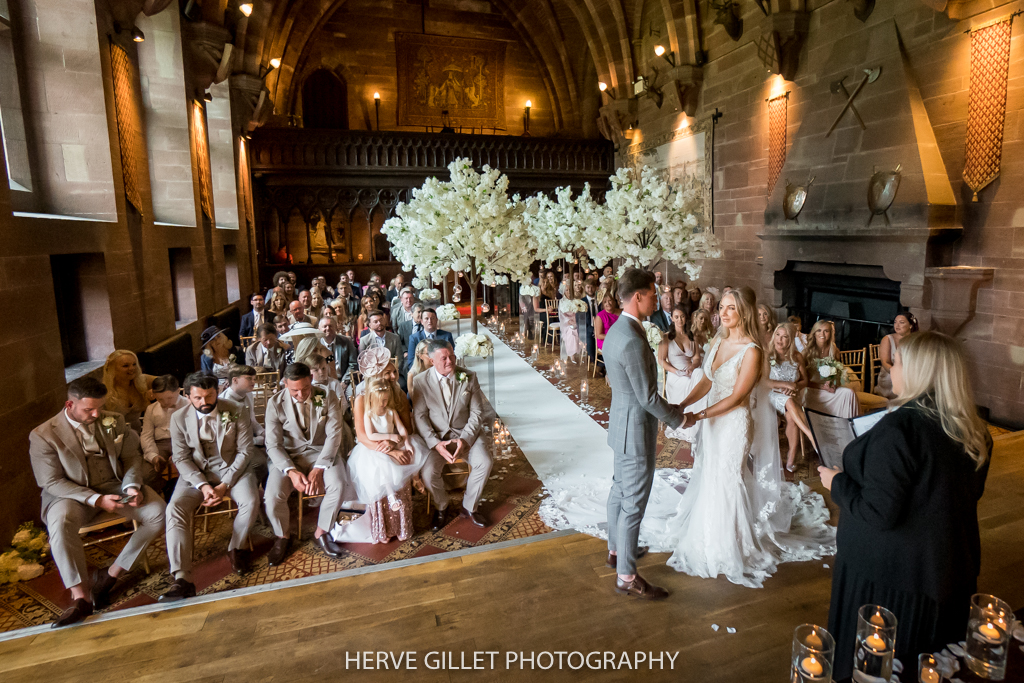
(24, 560)
(448, 312)
(467, 223)
(473, 345)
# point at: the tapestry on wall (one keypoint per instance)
(986, 111)
(685, 155)
(446, 81)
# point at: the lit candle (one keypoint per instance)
(813, 641)
(811, 666)
(875, 643)
(929, 675)
(877, 619)
(989, 631)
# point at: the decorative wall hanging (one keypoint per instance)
(461, 79)
(986, 112)
(128, 137)
(778, 121)
(796, 197)
(882, 189)
(727, 13)
(203, 159)
(870, 76)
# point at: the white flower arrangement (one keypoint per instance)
(529, 290)
(654, 335)
(448, 312)
(109, 423)
(831, 370)
(567, 305)
(421, 282)
(23, 561)
(473, 345)
(430, 295)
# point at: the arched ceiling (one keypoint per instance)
(552, 30)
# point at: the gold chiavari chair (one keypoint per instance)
(554, 327)
(875, 363)
(265, 385)
(106, 520)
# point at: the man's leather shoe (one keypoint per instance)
(612, 560)
(474, 517)
(74, 614)
(330, 548)
(278, 551)
(179, 590)
(239, 560)
(437, 519)
(640, 589)
(102, 582)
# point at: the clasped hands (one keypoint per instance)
(311, 484)
(393, 449)
(689, 419)
(213, 495)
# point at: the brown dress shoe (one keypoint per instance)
(329, 547)
(278, 551)
(475, 517)
(74, 614)
(102, 583)
(612, 560)
(239, 560)
(179, 590)
(640, 589)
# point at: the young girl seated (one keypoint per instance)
(381, 477)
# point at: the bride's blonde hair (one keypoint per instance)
(935, 375)
(746, 307)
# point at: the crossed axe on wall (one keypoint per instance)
(870, 76)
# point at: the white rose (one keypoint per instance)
(826, 371)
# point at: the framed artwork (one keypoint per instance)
(447, 81)
(685, 155)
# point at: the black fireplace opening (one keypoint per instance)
(861, 300)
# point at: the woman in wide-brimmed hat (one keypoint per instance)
(219, 354)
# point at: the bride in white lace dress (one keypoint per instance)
(735, 517)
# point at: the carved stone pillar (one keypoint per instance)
(682, 92)
(953, 295)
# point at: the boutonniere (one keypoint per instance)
(460, 376)
(231, 358)
(109, 423)
(318, 399)
(227, 418)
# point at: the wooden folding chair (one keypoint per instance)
(105, 520)
(875, 365)
(265, 385)
(554, 327)
(447, 475)
(228, 509)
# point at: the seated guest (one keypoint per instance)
(305, 298)
(701, 329)
(357, 288)
(430, 331)
(420, 363)
(156, 424)
(395, 288)
(281, 324)
(213, 453)
(278, 281)
(218, 354)
(410, 325)
(303, 439)
(826, 395)
(254, 319)
(548, 296)
(297, 313)
(449, 415)
(589, 296)
(768, 321)
(290, 294)
(680, 356)
(367, 305)
(376, 336)
(276, 305)
(315, 310)
(128, 390)
(693, 296)
(341, 349)
(662, 318)
(679, 297)
(294, 337)
(87, 461)
(709, 304)
(351, 301)
(242, 380)
(908, 496)
(381, 472)
(267, 355)
(801, 338)
(903, 325)
(787, 379)
(606, 317)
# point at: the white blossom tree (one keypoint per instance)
(561, 228)
(467, 224)
(647, 219)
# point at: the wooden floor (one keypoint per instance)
(549, 595)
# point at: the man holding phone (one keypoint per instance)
(211, 445)
(87, 461)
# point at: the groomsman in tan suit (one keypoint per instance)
(87, 461)
(304, 439)
(449, 415)
(212, 449)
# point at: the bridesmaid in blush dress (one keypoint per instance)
(824, 395)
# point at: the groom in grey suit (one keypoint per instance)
(633, 428)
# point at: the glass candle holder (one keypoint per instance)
(988, 636)
(928, 669)
(813, 653)
(584, 391)
(535, 356)
(875, 645)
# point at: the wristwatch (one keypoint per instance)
(703, 414)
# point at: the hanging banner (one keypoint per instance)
(986, 112)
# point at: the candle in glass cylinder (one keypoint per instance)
(875, 643)
(877, 619)
(811, 666)
(989, 631)
(813, 641)
(929, 675)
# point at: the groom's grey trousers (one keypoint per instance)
(632, 434)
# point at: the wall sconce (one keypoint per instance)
(208, 96)
(526, 128)
(136, 33)
(669, 56)
(274, 63)
(376, 104)
(245, 8)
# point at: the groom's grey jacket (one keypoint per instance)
(633, 376)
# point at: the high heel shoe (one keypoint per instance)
(791, 468)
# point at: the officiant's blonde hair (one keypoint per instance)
(935, 375)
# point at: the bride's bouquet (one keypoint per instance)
(448, 312)
(567, 305)
(831, 370)
(470, 344)
(529, 290)
(654, 335)
(429, 295)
